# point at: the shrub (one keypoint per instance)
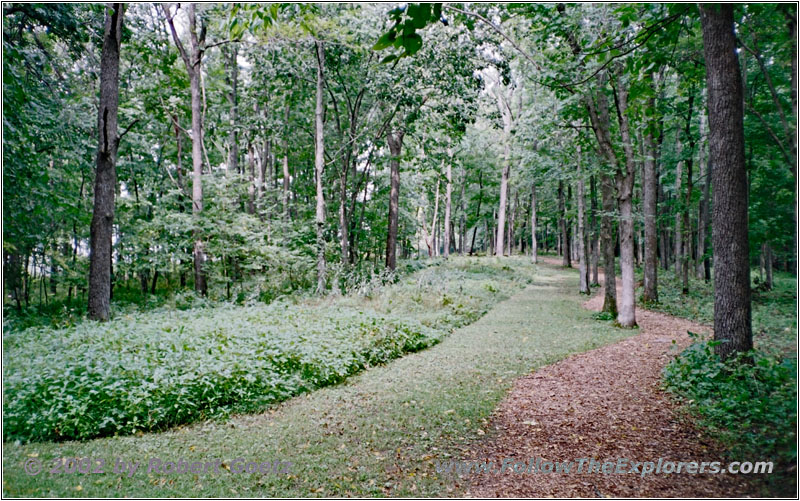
(751, 406)
(153, 370)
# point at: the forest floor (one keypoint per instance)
(605, 404)
(378, 433)
(517, 383)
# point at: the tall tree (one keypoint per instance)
(447, 202)
(732, 308)
(105, 184)
(193, 60)
(395, 140)
(650, 195)
(319, 165)
(583, 255)
(534, 244)
(504, 107)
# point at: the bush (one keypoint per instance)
(151, 371)
(750, 406)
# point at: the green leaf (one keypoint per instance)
(385, 40)
(412, 43)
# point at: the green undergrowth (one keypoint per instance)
(749, 403)
(152, 371)
(749, 407)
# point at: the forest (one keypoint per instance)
(311, 224)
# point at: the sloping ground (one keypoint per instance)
(378, 433)
(604, 404)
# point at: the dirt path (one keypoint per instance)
(604, 404)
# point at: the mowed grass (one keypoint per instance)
(377, 433)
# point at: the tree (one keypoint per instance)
(105, 185)
(194, 66)
(504, 107)
(732, 309)
(650, 194)
(583, 255)
(319, 166)
(448, 202)
(534, 244)
(395, 141)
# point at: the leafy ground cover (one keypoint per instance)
(378, 432)
(751, 407)
(150, 371)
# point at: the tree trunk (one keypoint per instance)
(626, 316)
(702, 217)
(534, 244)
(705, 228)
(447, 203)
(462, 221)
(251, 182)
(687, 233)
(285, 163)
(193, 62)
(501, 212)
(395, 140)
(595, 233)
(732, 309)
(562, 226)
(319, 167)
(477, 212)
(508, 121)
(233, 100)
(650, 195)
(583, 255)
(102, 227)
(766, 252)
(607, 242)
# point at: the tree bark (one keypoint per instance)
(193, 62)
(607, 239)
(319, 167)
(447, 203)
(583, 255)
(562, 227)
(534, 244)
(395, 140)
(99, 307)
(626, 316)
(285, 162)
(595, 233)
(650, 195)
(732, 308)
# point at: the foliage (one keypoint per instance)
(752, 406)
(150, 371)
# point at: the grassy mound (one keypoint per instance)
(151, 371)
